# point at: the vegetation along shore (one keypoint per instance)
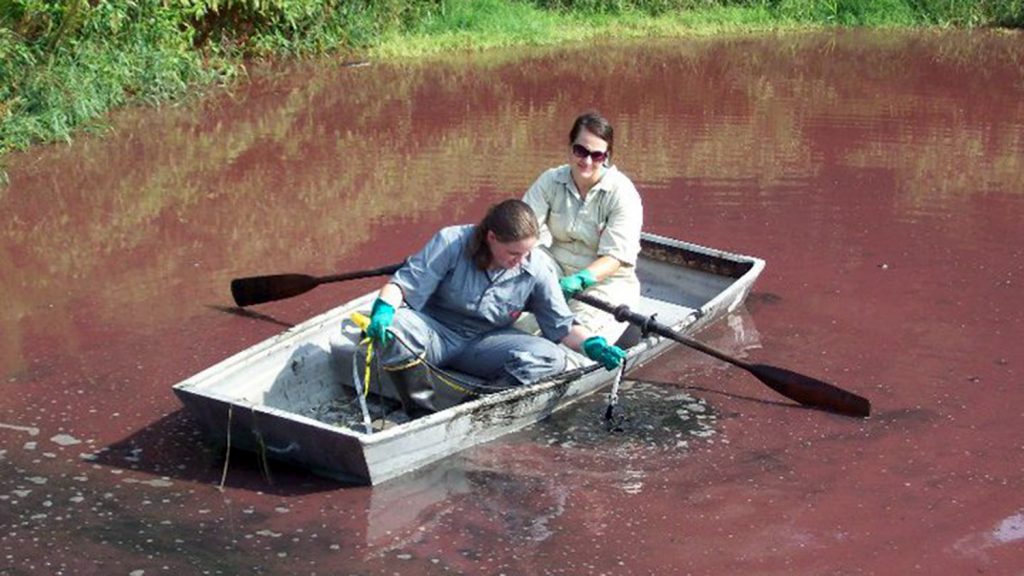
(65, 63)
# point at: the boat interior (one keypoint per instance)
(321, 377)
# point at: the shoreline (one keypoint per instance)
(167, 64)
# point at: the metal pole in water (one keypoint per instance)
(357, 382)
(613, 396)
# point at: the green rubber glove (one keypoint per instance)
(599, 350)
(380, 318)
(573, 284)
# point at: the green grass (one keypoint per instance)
(64, 64)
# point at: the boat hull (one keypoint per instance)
(269, 398)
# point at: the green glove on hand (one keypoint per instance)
(573, 284)
(599, 350)
(380, 318)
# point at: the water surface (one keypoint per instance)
(881, 175)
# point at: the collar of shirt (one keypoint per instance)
(565, 177)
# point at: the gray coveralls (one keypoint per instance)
(461, 317)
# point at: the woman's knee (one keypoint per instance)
(410, 339)
(535, 360)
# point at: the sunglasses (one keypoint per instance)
(580, 151)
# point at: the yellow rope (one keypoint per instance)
(363, 322)
(366, 375)
(439, 374)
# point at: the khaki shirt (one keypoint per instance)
(577, 232)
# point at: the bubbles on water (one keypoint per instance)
(30, 430)
(651, 417)
(154, 482)
(652, 425)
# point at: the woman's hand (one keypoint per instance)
(380, 319)
(599, 350)
(573, 284)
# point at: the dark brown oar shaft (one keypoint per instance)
(798, 387)
(260, 289)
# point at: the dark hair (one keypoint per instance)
(510, 220)
(595, 124)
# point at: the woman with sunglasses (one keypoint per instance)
(591, 214)
(462, 293)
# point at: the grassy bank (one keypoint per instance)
(65, 63)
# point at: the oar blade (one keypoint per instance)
(811, 391)
(260, 289)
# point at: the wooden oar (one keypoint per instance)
(798, 387)
(260, 289)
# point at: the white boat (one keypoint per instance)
(293, 397)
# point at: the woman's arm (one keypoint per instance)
(391, 294)
(574, 339)
(604, 267)
(420, 275)
(620, 236)
(537, 197)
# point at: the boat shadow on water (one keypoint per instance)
(173, 449)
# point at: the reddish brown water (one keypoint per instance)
(880, 175)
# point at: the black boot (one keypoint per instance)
(422, 392)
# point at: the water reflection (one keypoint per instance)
(521, 484)
(859, 163)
